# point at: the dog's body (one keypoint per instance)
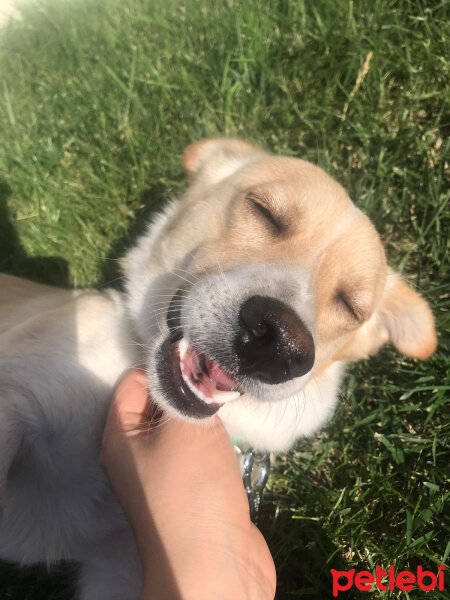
(247, 297)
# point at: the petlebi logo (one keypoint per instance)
(387, 580)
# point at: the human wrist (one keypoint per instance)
(201, 569)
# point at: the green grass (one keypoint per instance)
(98, 100)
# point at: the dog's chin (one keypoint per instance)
(191, 383)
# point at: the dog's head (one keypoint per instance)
(252, 289)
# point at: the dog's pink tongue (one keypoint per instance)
(223, 380)
(206, 374)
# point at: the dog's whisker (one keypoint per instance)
(166, 303)
(179, 294)
(189, 273)
(156, 312)
(182, 277)
(166, 289)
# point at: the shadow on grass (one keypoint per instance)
(152, 200)
(52, 270)
(301, 549)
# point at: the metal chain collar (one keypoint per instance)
(255, 467)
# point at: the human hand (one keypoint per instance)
(181, 489)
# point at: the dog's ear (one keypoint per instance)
(402, 318)
(216, 158)
(407, 318)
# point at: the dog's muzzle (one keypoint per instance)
(272, 345)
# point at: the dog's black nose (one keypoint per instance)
(274, 345)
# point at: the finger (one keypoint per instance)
(131, 404)
(209, 434)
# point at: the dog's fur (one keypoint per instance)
(61, 352)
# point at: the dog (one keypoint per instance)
(247, 298)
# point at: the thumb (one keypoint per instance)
(131, 406)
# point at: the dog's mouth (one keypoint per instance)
(194, 383)
(204, 377)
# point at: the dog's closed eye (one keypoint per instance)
(345, 302)
(262, 207)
